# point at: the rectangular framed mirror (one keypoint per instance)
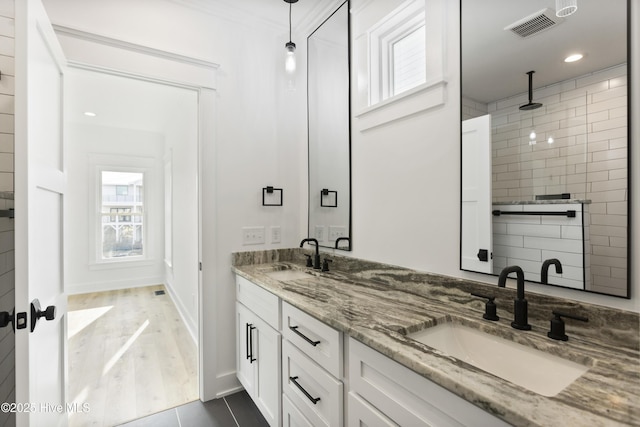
(329, 121)
(545, 142)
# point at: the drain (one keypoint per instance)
(159, 292)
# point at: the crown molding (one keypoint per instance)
(109, 41)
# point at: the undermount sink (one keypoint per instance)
(284, 273)
(535, 370)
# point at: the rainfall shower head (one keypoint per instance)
(531, 105)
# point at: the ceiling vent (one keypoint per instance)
(534, 23)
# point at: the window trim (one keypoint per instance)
(429, 95)
(142, 165)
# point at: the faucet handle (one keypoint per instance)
(309, 262)
(325, 264)
(489, 307)
(557, 325)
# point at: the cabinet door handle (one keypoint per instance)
(246, 336)
(251, 358)
(249, 342)
(304, 337)
(314, 400)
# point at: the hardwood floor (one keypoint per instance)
(129, 354)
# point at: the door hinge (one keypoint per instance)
(200, 266)
(483, 255)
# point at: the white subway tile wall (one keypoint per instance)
(471, 109)
(587, 119)
(525, 240)
(7, 276)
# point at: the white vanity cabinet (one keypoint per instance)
(385, 393)
(258, 348)
(295, 369)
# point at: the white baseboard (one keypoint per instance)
(228, 384)
(188, 321)
(112, 285)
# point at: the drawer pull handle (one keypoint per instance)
(314, 400)
(306, 338)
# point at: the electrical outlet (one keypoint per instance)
(337, 231)
(319, 234)
(276, 234)
(252, 235)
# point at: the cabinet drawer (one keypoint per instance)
(406, 397)
(320, 342)
(362, 413)
(310, 388)
(262, 302)
(291, 416)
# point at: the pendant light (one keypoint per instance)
(290, 58)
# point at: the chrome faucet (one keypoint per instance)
(316, 258)
(544, 273)
(520, 309)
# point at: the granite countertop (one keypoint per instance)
(378, 304)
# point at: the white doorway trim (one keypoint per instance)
(104, 55)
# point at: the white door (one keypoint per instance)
(477, 230)
(39, 189)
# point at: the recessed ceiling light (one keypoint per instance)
(573, 58)
(89, 114)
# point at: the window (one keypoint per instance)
(408, 63)
(122, 214)
(398, 52)
(399, 60)
(122, 190)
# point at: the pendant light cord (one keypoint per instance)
(290, 5)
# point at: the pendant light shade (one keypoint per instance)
(565, 8)
(290, 57)
(290, 53)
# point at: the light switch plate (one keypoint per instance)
(253, 235)
(276, 234)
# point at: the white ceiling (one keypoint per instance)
(274, 13)
(495, 61)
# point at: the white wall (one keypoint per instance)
(260, 140)
(405, 211)
(181, 152)
(89, 147)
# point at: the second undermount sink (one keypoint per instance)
(535, 370)
(285, 275)
(284, 272)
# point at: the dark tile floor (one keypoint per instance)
(234, 410)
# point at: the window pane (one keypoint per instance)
(122, 214)
(409, 61)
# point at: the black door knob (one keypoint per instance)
(36, 313)
(6, 318)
